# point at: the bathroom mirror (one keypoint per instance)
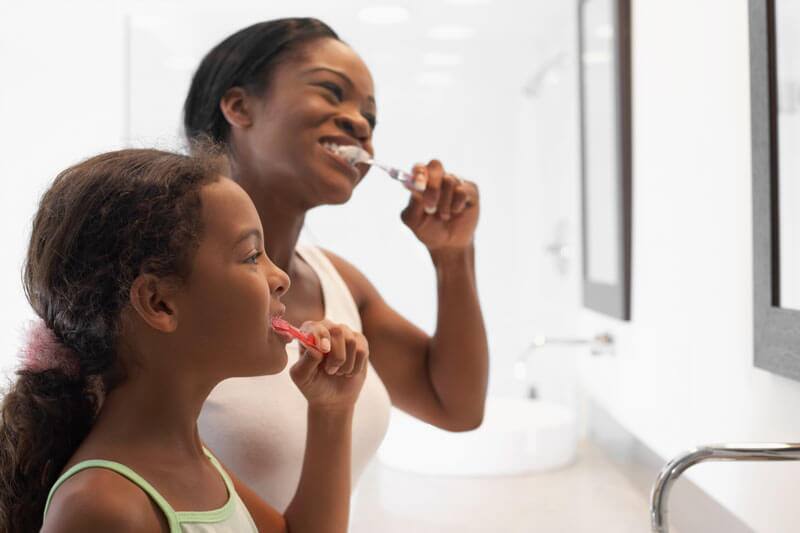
(605, 102)
(775, 115)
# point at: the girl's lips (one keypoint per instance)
(283, 336)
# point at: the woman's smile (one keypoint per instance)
(352, 172)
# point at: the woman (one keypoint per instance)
(149, 274)
(278, 94)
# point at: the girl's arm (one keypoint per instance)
(331, 381)
(97, 501)
(322, 501)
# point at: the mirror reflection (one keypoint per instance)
(787, 18)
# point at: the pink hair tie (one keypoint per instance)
(43, 351)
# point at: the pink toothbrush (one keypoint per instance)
(279, 324)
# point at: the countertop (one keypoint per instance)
(591, 495)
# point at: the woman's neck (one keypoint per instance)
(281, 217)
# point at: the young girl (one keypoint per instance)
(150, 277)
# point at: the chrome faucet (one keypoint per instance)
(773, 451)
(602, 343)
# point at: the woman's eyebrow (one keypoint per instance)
(342, 75)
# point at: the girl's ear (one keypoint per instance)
(153, 299)
(236, 106)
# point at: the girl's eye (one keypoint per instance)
(335, 89)
(253, 259)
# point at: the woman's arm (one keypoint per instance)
(441, 379)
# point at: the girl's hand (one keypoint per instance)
(332, 375)
(446, 213)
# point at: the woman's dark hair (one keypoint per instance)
(102, 223)
(245, 59)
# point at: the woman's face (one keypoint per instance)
(321, 94)
(233, 290)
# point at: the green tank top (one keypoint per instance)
(232, 517)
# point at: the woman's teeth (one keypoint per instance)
(348, 153)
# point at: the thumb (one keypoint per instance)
(306, 366)
(414, 212)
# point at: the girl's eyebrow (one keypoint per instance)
(251, 232)
(342, 75)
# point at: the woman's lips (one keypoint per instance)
(354, 172)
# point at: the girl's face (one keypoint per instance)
(321, 94)
(233, 290)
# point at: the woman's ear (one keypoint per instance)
(236, 107)
(154, 300)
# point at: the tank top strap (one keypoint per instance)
(136, 479)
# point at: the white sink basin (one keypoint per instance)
(518, 436)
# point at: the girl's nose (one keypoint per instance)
(279, 282)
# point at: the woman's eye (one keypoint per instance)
(253, 259)
(335, 89)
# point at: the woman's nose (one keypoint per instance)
(279, 282)
(355, 126)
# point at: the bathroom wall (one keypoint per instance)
(61, 98)
(683, 372)
(66, 94)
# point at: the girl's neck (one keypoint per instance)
(148, 413)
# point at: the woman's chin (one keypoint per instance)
(337, 187)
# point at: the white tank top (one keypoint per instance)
(257, 426)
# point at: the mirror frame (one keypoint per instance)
(776, 331)
(611, 299)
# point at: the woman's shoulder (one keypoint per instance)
(99, 499)
(360, 287)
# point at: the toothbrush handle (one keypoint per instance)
(401, 175)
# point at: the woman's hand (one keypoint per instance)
(446, 213)
(332, 375)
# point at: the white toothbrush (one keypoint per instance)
(355, 154)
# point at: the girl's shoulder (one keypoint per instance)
(100, 499)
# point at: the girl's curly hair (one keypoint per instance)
(102, 223)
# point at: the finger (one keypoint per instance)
(435, 173)
(460, 197)
(350, 362)
(362, 357)
(473, 196)
(414, 212)
(319, 330)
(305, 367)
(420, 178)
(449, 183)
(338, 354)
